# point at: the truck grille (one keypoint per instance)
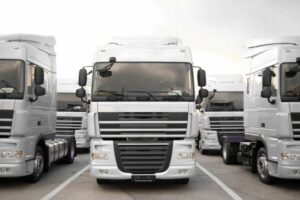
(143, 158)
(233, 126)
(6, 119)
(295, 117)
(68, 125)
(143, 124)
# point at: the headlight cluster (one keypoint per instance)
(186, 155)
(8, 154)
(290, 156)
(80, 135)
(99, 156)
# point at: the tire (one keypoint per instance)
(262, 167)
(39, 164)
(229, 152)
(102, 181)
(69, 158)
(183, 181)
(198, 141)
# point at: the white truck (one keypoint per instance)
(28, 144)
(143, 117)
(221, 113)
(271, 144)
(71, 114)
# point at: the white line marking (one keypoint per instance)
(229, 191)
(64, 184)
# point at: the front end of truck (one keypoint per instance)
(16, 159)
(142, 117)
(143, 140)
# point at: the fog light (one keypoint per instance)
(99, 156)
(290, 156)
(186, 155)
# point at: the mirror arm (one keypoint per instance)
(273, 101)
(84, 101)
(33, 99)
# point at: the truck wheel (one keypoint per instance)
(262, 167)
(102, 181)
(69, 158)
(183, 181)
(198, 141)
(38, 166)
(229, 152)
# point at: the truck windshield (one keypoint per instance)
(224, 101)
(11, 79)
(68, 102)
(290, 82)
(144, 82)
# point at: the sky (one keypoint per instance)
(216, 30)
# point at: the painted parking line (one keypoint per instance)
(229, 191)
(64, 184)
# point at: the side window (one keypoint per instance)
(47, 78)
(248, 85)
(274, 86)
(30, 79)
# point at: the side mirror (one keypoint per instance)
(203, 93)
(38, 75)
(80, 92)
(82, 77)
(198, 106)
(39, 91)
(267, 78)
(201, 78)
(266, 92)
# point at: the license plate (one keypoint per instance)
(142, 178)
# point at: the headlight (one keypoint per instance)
(99, 156)
(290, 156)
(11, 154)
(186, 155)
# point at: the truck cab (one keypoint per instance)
(71, 113)
(221, 113)
(271, 143)
(143, 117)
(28, 144)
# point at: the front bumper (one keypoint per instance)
(82, 139)
(209, 140)
(16, 169)
(286, 168)
(108, 168)
(113, 173)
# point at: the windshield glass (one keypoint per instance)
(144, 82)
(68, 102)
(11, 79)
(290, 82)
(224, 101)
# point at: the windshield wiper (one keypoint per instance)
(114, 93)
(168, 92)
(146, 92)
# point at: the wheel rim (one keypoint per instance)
(39, 164)
(262, 165)
(224, 152)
